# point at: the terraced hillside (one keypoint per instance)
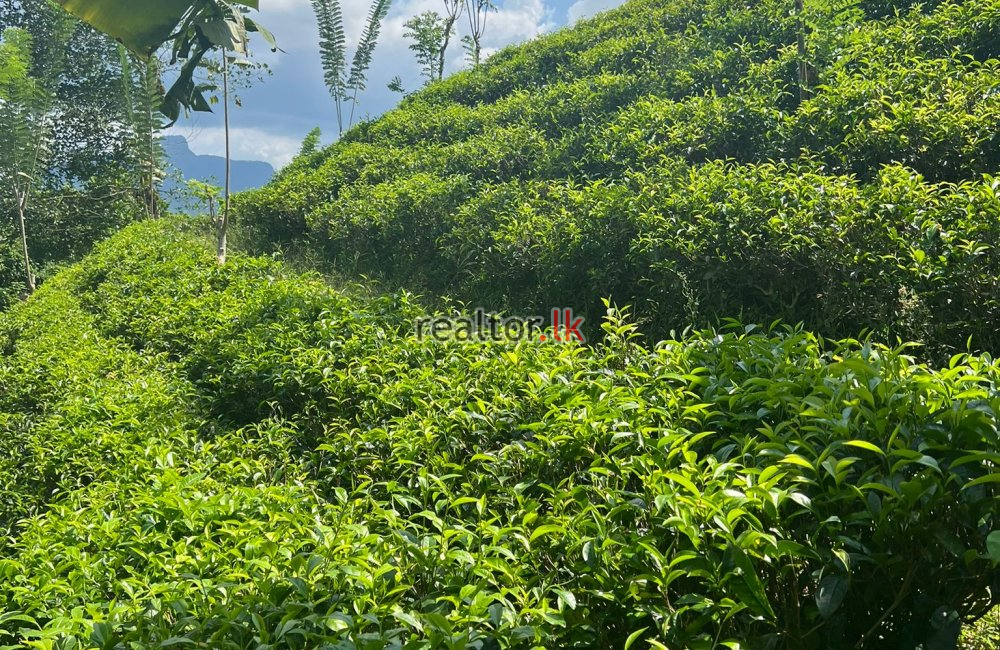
(668, 155)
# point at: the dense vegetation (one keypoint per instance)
(235, 457)
(667, 155)
(239, 456)
(88, 181)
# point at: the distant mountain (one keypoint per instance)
(245, 175)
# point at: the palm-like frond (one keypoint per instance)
(333, 44)
(24, 118)
(358, 78)
(333, 50)
(143, 95)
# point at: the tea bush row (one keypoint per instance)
(898, 256)
(327, 479)
(548, 175)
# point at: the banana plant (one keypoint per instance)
(193, 27)
(140, 26)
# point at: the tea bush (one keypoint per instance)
(898, 256)
(10, 275)
(662, 154)
(251, 458)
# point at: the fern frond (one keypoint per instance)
(358, 79)
(333, 45)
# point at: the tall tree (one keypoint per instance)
(87, 186)
(427, 31)
(452, 12)
(223, 223)
(24, 132)
(358, 78)
(235, 48)
(333, 52)
(478, 12)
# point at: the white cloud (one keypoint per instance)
(247, 143)
(587, 8)
(514, 22)
(279, 111)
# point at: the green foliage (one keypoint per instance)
(984, 635)
(310, 144)
(428, 31)
(141, 89)
(333, 51)
(237, 456)
(357, 78)
(25, 133)
(208, 195)
(478, 12)
(89, 185)
(233, 457)
(344, 84)
(11, 274)
(659, 155)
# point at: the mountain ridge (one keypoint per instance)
(246, 174)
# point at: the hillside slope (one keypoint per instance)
(241, 457)
(665, 155)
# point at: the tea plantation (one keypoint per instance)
(242, 457)
(668, 156)
(746, 455)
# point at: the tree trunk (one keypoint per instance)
(805, 91)
(22, 206)
(448, 27)
(224, 221)
(152, 200)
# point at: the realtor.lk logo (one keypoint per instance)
(482, 326)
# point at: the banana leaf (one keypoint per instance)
(140, 25)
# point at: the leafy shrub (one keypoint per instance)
(934, 116)
(698, 129)
(899, 256)
(11, 284)
(395, 225)
(339, 481)
(985, 634)
(664, 155)
(542, 245)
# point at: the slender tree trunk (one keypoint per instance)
(449, 25)
(152, 201)
(22, 206)
(338, 101)
(354, 104)
(805, 91)
(224, 222)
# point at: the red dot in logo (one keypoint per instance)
(543, 338)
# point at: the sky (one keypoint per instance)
(279, 110)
